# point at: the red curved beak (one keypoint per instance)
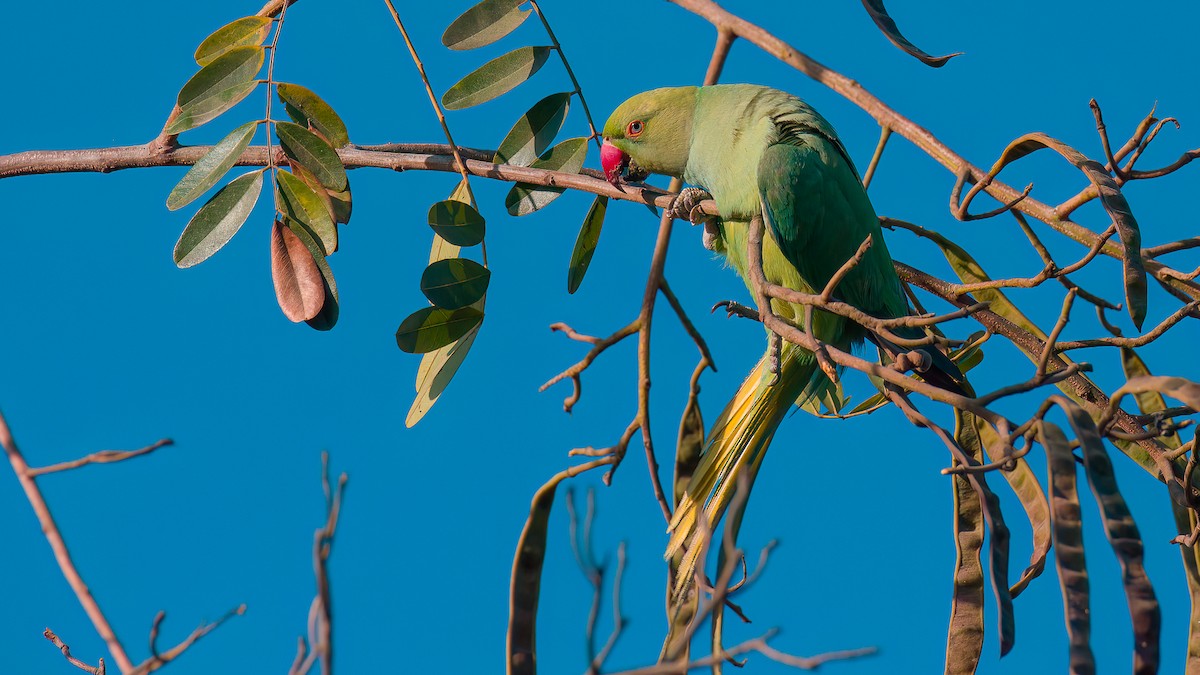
(613, 160)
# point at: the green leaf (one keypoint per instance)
(484, 23)
(568, 156)
(299, 286)
(885, 23)
(1148, 401)
(455, 283)
(441, 248)
(457, 222)
(313, 110)
(300, 203)
(533, 133)
(585, 243)
(313, 153)
(216, 88)
(495, 77)
(438, 367)
(218, 220)
(250, 30)
(211, 167)
(430, 328)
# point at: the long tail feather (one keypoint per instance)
(738, 440)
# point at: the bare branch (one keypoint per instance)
(101, 457)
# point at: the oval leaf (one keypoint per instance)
(457, 222)
(438, 367)
(218, 220)
(299, 287)
(250, 30)
(313, 110)
(216, 88)
(495, 77)
(532, 134)
(885, 23)
(484, 23)
(300, 203)
(568, 156)
(455, 283)
(585, 243)
(211, 167)
(430, 328)
(310, 151)
(328, 316)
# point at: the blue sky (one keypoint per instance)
(107, 345)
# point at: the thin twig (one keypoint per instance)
(61, 554)
(66, 652)
(101, 457)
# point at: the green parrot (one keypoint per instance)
(761, 152)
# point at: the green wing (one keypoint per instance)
(819, 214)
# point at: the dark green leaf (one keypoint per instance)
(216, 88)
(312, 109)
(250, 30)
(455, 283)
(313, 153)
(885, 23)
(299, 286)
(438, 367)
(300, 203)
(430, 328)
(585, 243)
(218, 220)
(495, 77)
(211, 167)
(534, 132)
(568, 156)
(484, 23)
(457, 222)
(1068, 545)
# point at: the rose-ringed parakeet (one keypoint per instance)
(761, 152)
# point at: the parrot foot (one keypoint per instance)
(687, 206)
(736, 309)
(776, 349)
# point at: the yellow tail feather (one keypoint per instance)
(739, 437)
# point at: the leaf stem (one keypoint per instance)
(271, 81)
(437, 109)
(570, 73)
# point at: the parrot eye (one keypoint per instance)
(634, 129)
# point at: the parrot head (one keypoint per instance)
(649, 133)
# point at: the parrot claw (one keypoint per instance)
(776, 350)
(686, 206)
(733, 308)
